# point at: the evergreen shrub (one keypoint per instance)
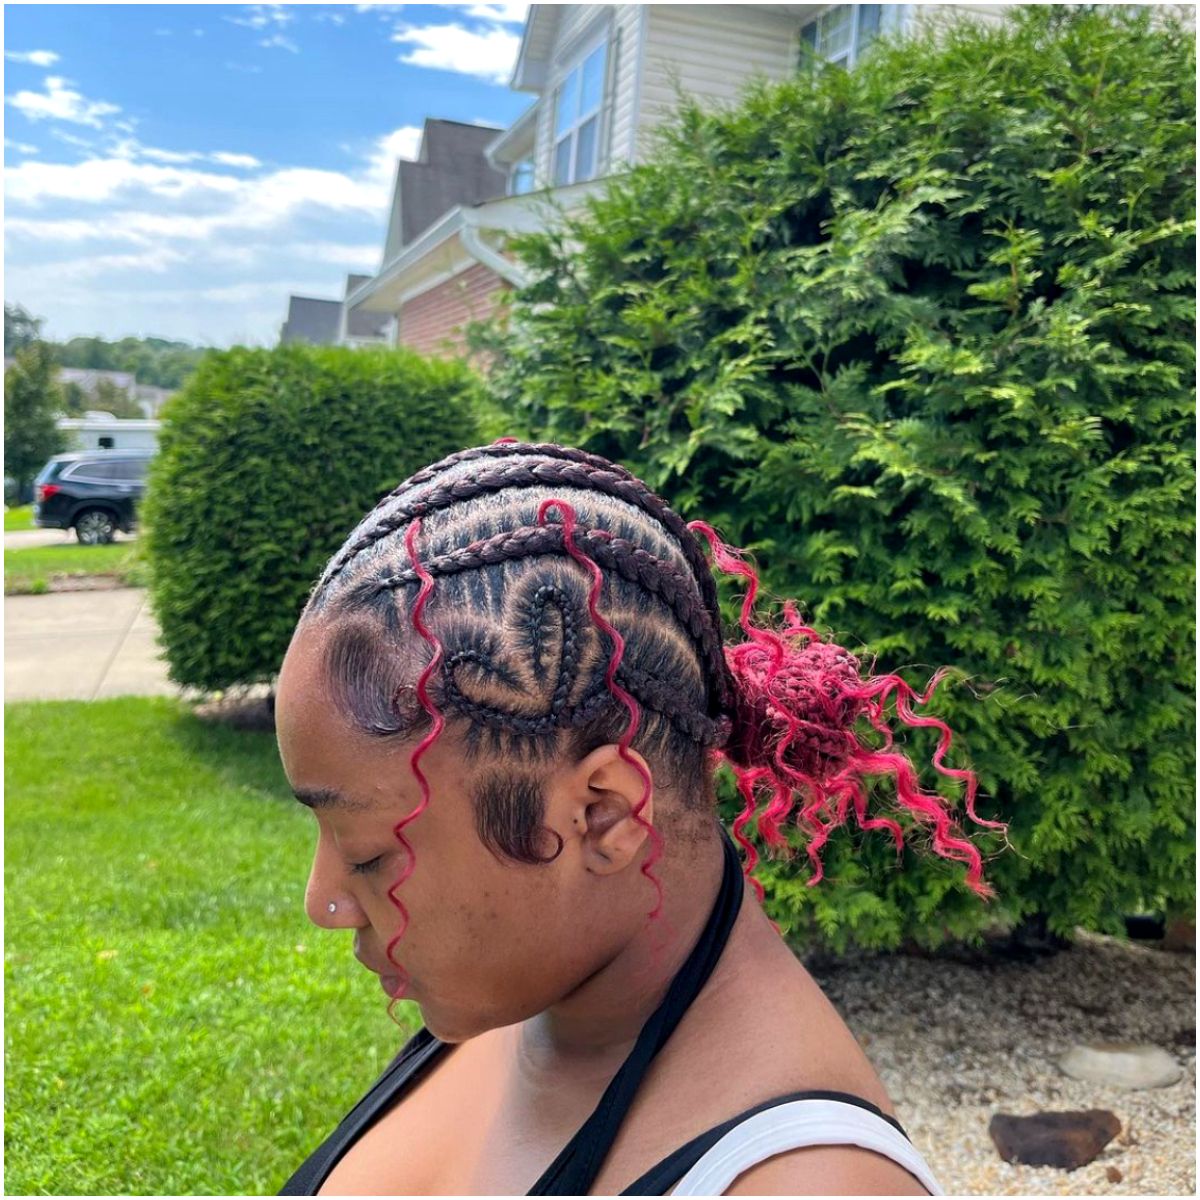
(920, 335)
(267, 460)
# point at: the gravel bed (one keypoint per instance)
(956, 1042)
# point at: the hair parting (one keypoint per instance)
(439, 723)
(610, 678)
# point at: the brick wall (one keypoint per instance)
(431, 323)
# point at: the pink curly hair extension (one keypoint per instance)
(439, 723)
(798, 699)
(634, 709)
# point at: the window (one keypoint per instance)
(843, 32)
(91, 472)
(577, 105)
(106, 443)
(520, 178)
(130, 468)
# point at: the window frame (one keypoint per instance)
(854, 47)
(524, 166)
(601, 41)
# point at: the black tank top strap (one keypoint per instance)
(664, 1175)
(418, 1052)
(577, 1165)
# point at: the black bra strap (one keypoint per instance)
(666, 1174)
(577, 1165)
(417, 1053)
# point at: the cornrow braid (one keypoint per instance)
(617, 554)
(579, 469)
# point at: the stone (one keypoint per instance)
(1054, 1139)
(1113, 1174)
(1128, 1065)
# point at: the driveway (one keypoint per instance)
(82, 646)
(23, 539)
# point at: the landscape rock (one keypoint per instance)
(1127, 1065)
(1054, 1139)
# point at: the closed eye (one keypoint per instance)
(365, 868)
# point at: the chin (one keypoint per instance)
(456, 1025)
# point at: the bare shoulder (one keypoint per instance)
(826, 1171)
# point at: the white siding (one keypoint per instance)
(709, 52)
(926, 18)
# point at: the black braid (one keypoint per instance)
(639, 566)
(636, 493)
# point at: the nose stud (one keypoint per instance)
(332, 907)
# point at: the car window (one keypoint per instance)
(91, 472)
(127, 468)
(49, 471)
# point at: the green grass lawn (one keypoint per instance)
(18, 518)
(174, 1024)
(31, 569)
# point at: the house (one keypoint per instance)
(326, 323)
(604, 78)
(98, 385)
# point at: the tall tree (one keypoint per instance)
(32, 399)
(20, 329)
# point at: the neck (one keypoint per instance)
(587, 1035)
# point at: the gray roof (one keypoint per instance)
(452, 170)
(311, 320)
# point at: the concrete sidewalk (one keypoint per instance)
(24, 539)
(82, 646)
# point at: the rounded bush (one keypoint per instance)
(921, 335)
(267, 460)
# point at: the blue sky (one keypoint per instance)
(178, 170)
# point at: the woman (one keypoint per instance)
(503, 703)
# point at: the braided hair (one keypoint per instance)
(557, 604)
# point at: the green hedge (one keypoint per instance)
(268, 458)
(921, 336)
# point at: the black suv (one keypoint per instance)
(94, 492)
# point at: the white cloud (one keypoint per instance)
(60, 102)
(487, 54)
(277, 41)
(246, 68)
(39, 58)
(506, 14)
(155, 261)
(132, 239)
(20, 147)
(262, 16)
(404, 142)
(234, 160)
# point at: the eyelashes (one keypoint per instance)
(365, 868)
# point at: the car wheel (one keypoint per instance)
(94, 527)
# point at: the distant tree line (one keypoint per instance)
(157, 362)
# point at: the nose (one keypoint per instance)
(326, 888)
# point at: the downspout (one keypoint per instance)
(479, 250)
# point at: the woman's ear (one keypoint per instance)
(594, 801)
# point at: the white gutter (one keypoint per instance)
(478, 249)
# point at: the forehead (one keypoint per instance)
(322, 752)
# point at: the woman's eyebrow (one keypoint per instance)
(329, 798)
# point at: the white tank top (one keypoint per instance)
(792, 1126)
